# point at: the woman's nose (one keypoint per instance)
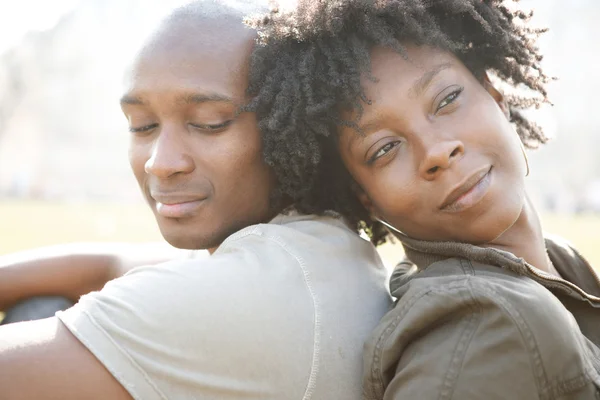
(440, 156)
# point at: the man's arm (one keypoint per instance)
(43, 360)
(73, 270)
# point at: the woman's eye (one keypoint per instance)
(383, 151)
(212, 127)
(142, 129)
(449, 99)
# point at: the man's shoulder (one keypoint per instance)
(281, 255)
(208, 320)
(296, 229)
(227, 311)
(305, 239)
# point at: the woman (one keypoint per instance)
(399, 93)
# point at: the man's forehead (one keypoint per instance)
(199, 33)
(195, 49)
(219, 8)
(199, 24)
(200, 27)
(227, 14)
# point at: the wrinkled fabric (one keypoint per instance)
(279, 311)
(479, 323)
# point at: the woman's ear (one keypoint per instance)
(363, 198)
(497, 95)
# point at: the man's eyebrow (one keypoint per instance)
(421, 84)
(198, 98)
(195, 98)
(131, 100)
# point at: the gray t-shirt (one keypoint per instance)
(279, 311)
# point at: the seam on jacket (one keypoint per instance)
(590, 374)
(537, 366)
(467, 267)
(547, 389)
(378, 387)
(582, 260)
(464, 282)
(570, 385)
(126, 355)
(462, 345)
(314, 370)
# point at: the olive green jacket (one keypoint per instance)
(463, 328)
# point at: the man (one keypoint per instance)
(280, 309)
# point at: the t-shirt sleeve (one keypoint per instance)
(211, 329)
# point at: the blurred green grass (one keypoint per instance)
(29, 224)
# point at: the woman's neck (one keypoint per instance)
(525, 239)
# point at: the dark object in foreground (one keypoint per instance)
(36, 308)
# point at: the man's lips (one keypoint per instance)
(468, 192)
(177, 205)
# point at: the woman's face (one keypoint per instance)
(439, 159)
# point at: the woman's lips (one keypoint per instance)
(469, 193)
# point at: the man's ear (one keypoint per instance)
(496, 94)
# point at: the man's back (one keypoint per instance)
(279, 311)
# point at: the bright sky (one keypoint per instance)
(17, 17)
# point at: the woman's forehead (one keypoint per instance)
(400, 80)
(387, 63)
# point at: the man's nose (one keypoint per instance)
(439, 156)
(170, 154)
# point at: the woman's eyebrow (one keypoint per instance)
(415, 90)
(421, 83)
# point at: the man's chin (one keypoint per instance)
(188, 240)
(199, 233)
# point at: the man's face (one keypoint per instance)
(198, 163)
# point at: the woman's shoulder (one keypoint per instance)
(460, 274)
(461, 310)
(457, 283)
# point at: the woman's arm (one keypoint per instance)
(72, 270)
